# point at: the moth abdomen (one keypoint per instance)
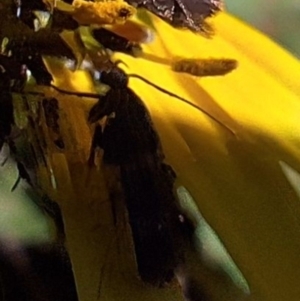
(154, 220)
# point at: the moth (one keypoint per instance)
(130, 142)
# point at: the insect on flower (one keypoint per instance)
(130, 142)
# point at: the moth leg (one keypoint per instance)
(96, 142)
(23, 174)
(53, 210)
(105, 106)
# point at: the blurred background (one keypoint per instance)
(280, 19)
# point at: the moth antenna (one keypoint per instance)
(183, 100)
(118, 62)
(80, 94)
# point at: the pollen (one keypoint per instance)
(102, 12)
(204, 67)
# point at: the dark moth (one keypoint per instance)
(130, 142)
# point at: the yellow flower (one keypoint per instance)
(233, 168)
